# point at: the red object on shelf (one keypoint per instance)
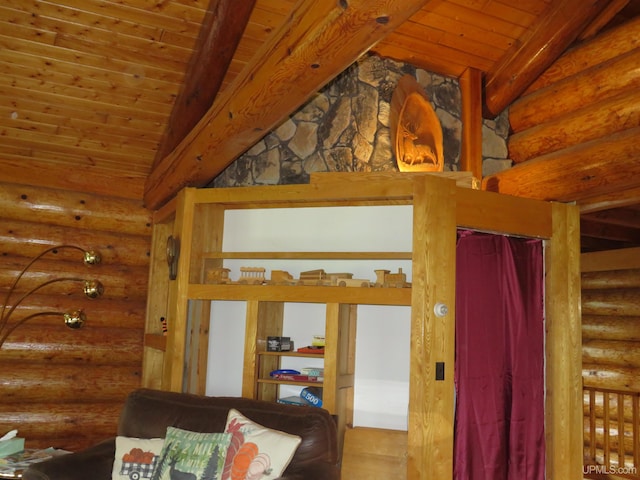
(311, 349)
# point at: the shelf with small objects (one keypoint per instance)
(372, 285)
(272, 267)
(278, 375)
(335, 281)
(288, 374)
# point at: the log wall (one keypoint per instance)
(611, 319)
(60, 387)
(611, 356)
(576, 127)
(588, 95)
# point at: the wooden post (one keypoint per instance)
(177, 314)
(153, 360)
(430, 435)
(471, 91)
(563, 410)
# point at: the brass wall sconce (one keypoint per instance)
(74, 319)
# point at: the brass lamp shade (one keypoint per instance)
(92, 257)
(74, 319)
(93, 288)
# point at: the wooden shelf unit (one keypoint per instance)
(339, 360)
(339, 357)
(440, 208)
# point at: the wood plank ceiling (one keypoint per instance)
(87, 87)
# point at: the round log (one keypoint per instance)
(120, 281)
(610, 327)
(53, 383)
(611, 279)
(72, 426)
(596, 120)
(621, 259)
(598, 167)
(527, 60)
(604, 47)
(617, 353)
(72, 209)
(89, 345)
(623, 301)
(614, 378)
(589, 86)
(29, 239)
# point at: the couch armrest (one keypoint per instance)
(315, 471)
(95, 463)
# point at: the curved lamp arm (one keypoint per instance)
(89, 257)
(92, 289)
(73, 319)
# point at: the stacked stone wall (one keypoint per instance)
(345, 128)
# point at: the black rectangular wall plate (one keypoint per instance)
(439, 370)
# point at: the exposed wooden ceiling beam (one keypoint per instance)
(607, 14)
(221, 31)
(611, 44)
(318, 42)
(554, 32)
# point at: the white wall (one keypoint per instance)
(383, 332)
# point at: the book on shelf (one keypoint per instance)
(312, 371)
(297, 377)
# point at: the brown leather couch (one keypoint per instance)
(148, 413)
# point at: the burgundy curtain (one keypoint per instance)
(499, 371)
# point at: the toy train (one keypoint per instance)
(248, 276)
(318, 277)
(384, 278)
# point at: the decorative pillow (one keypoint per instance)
(136, 457)
(192, 455)
(256, 452)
